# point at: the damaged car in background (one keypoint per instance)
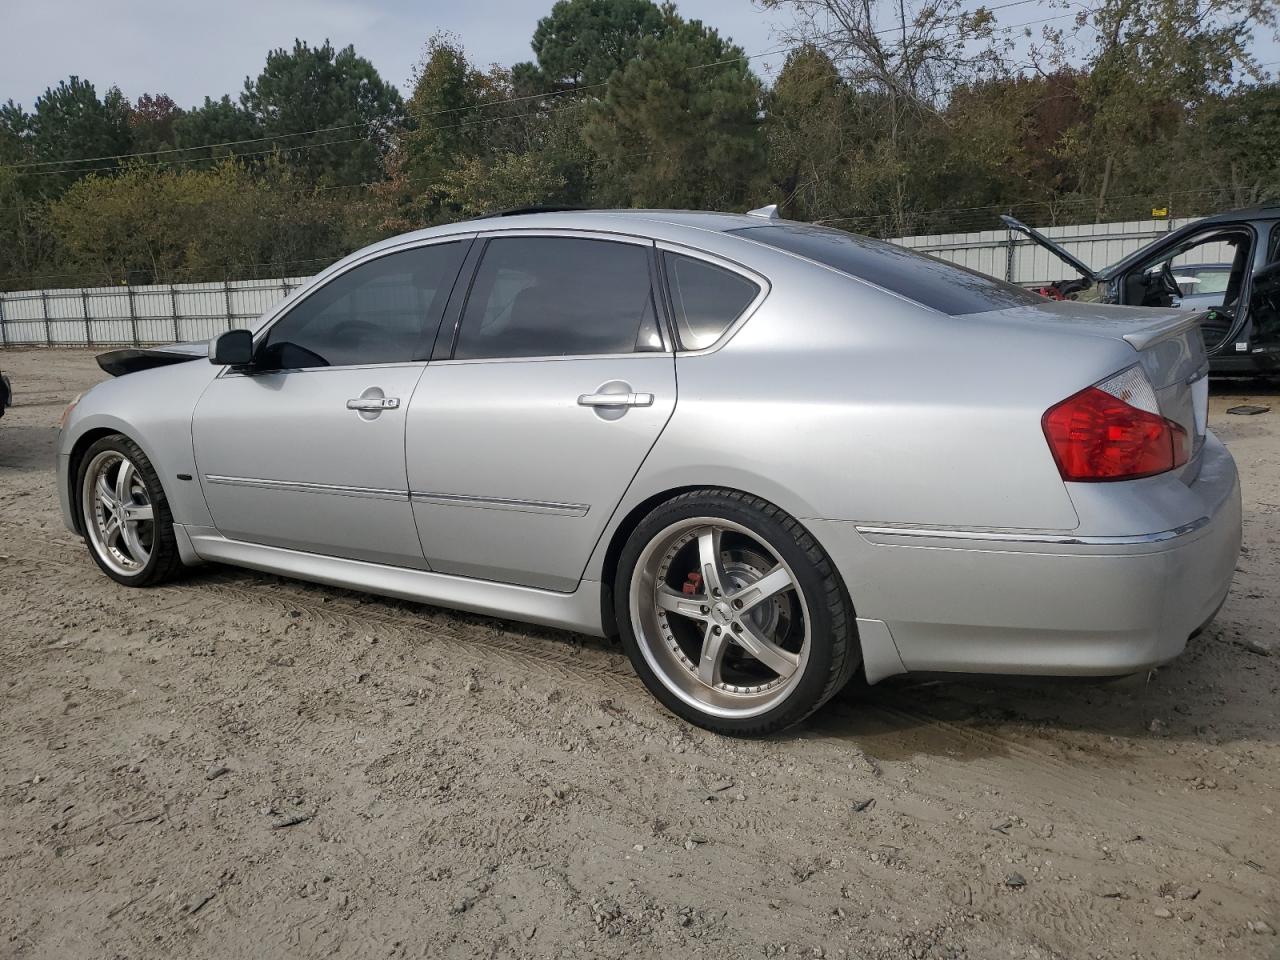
(1239, 323)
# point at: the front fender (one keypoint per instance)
(152, 408)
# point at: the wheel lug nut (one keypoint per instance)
(737, 627)
(737, 604)
(705, 610)
(715, 630)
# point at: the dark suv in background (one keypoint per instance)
(1241, 323)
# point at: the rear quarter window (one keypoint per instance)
(705, 299)
(928, 281)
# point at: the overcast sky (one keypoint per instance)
(189, 50)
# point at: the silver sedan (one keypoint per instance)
(765, 454)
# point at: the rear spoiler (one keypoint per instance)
(1088, 275)
(132, 359)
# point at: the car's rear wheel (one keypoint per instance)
(732, 614)
(124, 514)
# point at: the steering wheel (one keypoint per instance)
(1161, 287)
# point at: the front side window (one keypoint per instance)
(930, 282)
(378, 312)
(705, 299)
(559, 297)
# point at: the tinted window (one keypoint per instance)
(926, 280)
(378, 312)
(706, 299)
(559, 296)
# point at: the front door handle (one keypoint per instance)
(615, 400)
(373, 404)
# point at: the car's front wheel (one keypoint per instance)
(124, 514)
(732, 614)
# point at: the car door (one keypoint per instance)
(557, 380)
(305, 449)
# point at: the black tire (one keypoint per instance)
(834, 652)
(164, 562)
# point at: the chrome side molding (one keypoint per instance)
(297, 486)
(445, 499)
(502, 503)
(1011, 536)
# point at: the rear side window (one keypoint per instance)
(378, 312)
(928, 281)
(706, 299)
(559, 297)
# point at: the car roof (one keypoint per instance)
(674, 225)
(1266, 211)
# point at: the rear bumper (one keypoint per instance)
(1050, 603)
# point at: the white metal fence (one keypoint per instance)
(1013, 257)
(166, 313)
(159, 313)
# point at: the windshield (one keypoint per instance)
(928, 281)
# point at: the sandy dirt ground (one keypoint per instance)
(243, 766)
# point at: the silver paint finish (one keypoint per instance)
(844, 404)
(578, 611)
(305, 471)
(512, 430)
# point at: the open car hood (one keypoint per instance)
(132, 359)
(1088, 275)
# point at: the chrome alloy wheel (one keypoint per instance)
(719, 617)
(118, 513)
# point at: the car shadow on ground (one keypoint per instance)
(27, 447)
(969, 717)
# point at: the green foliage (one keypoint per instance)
(678, 125)
(70, 123)
(317, 88)
(582, 42)
(151, 122)
(442, 127)
(164, 225)
(514, 180)
(223, 123)
(811, 133)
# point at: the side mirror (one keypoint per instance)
(233, 348)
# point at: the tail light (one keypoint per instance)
(1114, 431)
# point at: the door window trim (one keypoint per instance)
(445, 351)
(422, 352)
(763, 286)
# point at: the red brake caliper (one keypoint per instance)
(693, 585)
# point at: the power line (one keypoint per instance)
(293, 149)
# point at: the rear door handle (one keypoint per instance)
(373, 404)
(615, 400)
